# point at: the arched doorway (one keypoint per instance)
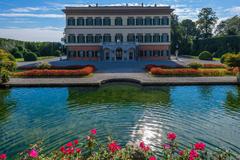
(119, 54)
(106, 54)
(131, 54)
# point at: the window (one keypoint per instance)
(81, 38)
(165, 37)
(145, 53)
(107, 21)
(141, 53)
(139, 21)
(98, 21)
(156, 37)
(71, 38)
(71, 21)
(148, 38)
(89, 21)
(156, 21)
(131, 38)
(139, 38)
(107, 38)
(165, 21)
(80, 21)
(98, 38)
(130, 21)
(148, 21)
(119, 37)
(118, 21)
(89, 38)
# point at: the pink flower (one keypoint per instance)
(88, 137)
(3, 156)
(166, 146)
(152, 158)
(193, 154)
(144, 147)
(93, 131)
(200, 146)
(78, 150)
(113, 147)
(181, 153)
(75, 142)
(33, 153)
(171, 136)
(69, 144)
(62, 149)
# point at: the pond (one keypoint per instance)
(127, 112)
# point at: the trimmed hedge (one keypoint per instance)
(30, 56)
(205, 55)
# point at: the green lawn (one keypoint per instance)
(39, 58)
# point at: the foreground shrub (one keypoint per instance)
(149, 66)
(205, 55)
(57, 67)
(223, 57)
(91, 149)
(195, 65)
(51, 72)
(187, 72)
(30, 56)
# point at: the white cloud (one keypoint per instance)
(29, 9)
(51, 34)
(32, 15)
(234, 10)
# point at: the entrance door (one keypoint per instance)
(119, 54)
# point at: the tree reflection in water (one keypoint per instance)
(233, 100)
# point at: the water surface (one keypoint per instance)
(127, 112)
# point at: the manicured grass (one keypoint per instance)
(39, 58)
(216, 59)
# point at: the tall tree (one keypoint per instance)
(188, 28)
(230, 26)
(206, 21)
(176, 35)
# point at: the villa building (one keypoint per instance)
(118, 33)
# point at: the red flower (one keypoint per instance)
(181, 153)
(62, 149)
(93, 131)
(152, 158)
(33, 153)
(78, 150)
(171, 136)
(199, 146)
(3, 156)
(75, 142)
(69, 144)
(144, 147)
(113, 147)
(70, 150)
(193, 154)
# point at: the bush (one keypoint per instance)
(58, 53)
(205, 55)
(17, 54)
(188, 72)
(214, 66)
(222, 60)
(44, 66)
(232, 60)
(55, 73)
(4, 75)
(195, 65)
(92, 149)
(30, 56)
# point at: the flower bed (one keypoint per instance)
(187, 72)
(214, 66)
(91, 149)
(55, 72)
(149, 66)
(56, 67)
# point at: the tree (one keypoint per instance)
(230, 26)
(175, 33)
(206, 21)
(7, 65)
(188, 28)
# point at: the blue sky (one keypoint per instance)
(43, 20)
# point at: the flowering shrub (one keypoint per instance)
(51, 72)
(188, 72)
(91, 149)
(55, 67)
(214, 66)
(149, 66)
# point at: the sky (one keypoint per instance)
(43, 20)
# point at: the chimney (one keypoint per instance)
(96, 4)
(127, 4)
(155, 5)
(142, 4)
